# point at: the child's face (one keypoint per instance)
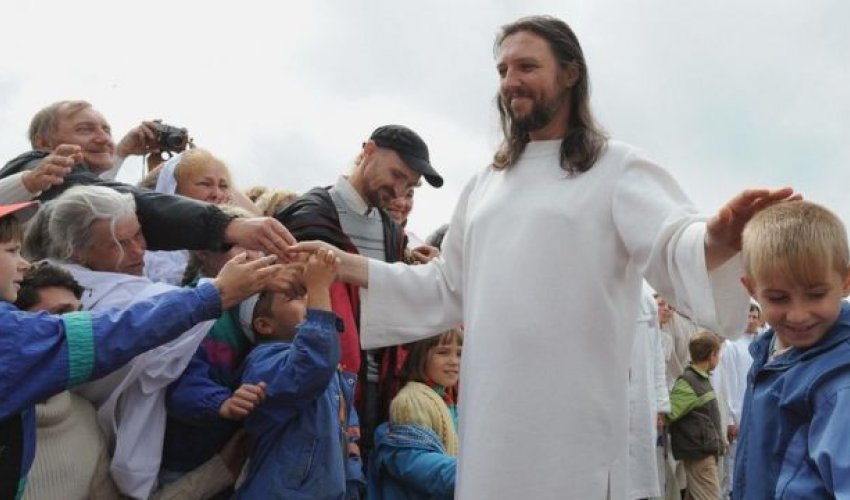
(12, 267)
(800, 314)
(286, 314)
(443, 366)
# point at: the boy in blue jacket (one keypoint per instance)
(793, 441)
(42, 355)
(301, 447)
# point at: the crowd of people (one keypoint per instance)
(188, 337)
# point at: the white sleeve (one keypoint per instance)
(406, 303)
(666, 240)
(659, 367)
(12, 189)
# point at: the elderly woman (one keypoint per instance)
(95, 234)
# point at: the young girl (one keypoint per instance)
(415, 454)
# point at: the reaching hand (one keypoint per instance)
(243, 401)
(241, 278)
(51, 171)
(425, 254)
(260, 233)
(321, 269)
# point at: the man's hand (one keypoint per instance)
(243, 401)
(288, 281)
(723, 234)
(51, 171)
(139, 141)
(425, 254)
(353, 268)
(732, 432)
(260, 233)
(241, 278)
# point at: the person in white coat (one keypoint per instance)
(648, 401)
(730, 377)
(543, 262)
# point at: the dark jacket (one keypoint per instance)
(168, 222)
(313, 216)
(696, 433)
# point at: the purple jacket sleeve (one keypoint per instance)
(195, 396)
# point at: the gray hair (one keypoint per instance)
(73, 214)
(45, 123)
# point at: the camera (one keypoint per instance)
(170, 138)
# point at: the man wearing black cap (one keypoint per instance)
(349, 215)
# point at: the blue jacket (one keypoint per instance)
(300, 446)
(794, 440)
(194, 431)
(42, 355)
(410, 463)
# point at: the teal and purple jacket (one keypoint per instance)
(42, 355)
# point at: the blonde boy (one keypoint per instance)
(794, 441)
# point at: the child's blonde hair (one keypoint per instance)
(418, 404)
(797, 239)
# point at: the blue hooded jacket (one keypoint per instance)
(794, 440)
(410, 463)
(300, 444)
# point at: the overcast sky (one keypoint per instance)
(724, 94)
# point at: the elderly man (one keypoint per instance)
(543, 261)
(72, 144)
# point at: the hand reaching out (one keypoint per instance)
(51, 171)
(320, 270)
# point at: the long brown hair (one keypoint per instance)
(585, 140)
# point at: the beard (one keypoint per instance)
(542, 112)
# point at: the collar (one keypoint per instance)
(350, 196)
(702, 373)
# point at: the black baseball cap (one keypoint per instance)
(410, 147)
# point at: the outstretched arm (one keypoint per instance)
(352, 268)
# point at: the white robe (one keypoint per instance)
(648, 396)
(545, 271)
(131, 400)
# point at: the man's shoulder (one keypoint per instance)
(315, 204)
(22, 162)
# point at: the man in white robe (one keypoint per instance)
(648, 396)
(543, 262)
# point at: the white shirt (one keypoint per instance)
(545, 270)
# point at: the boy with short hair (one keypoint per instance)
(42, 355)
(695, 427)
(793, 441)
(300, 431)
